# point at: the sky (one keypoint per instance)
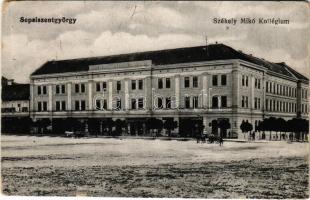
(106, 28)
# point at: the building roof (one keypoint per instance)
(294, 72)
(163, 57)
(15, 92)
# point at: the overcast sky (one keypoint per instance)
(105, 28)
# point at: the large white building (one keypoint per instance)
(203, 84)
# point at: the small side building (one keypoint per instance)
(15, 116)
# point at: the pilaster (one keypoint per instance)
(50, 97)
(69, 98)
(177, 91)
(126, 97)
(110, 90)
(90, 95)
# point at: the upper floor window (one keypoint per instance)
(140, 83)
(140, 103)
(101, 104)
(214, 80)
(118, 104)
(186, 82)
(39, 90)
(133, 104)
(39, 106)
(245, 102)
(83, 105)
(257, 103)
(63, 89)
(245, 80)
(215, 102)
(168, 83)
(98, 87)
(80, 88)
(60, 89)
(168, 102)
(57, 89)
(77, 88)
(42, 106)
(257, 83)
(160, 83)
(223, 79)
(42, 89)
(118, 85)
(224, 101)
(104, 86)
(187, 102)
(195, 102)
(195, 81)
(159, 103)
(98, 104)
(267, 86)
(60, 105)
(133, 84)
(57, 105)
(77, 105)
(80, 105)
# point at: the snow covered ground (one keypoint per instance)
(31, 165)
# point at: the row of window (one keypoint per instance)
(136, 84)
(135, 104)
(165, 103)
(280, 106)
(245, 82)
(13, 109)
(278, 89)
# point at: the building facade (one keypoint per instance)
(203, 84)
(15, 113)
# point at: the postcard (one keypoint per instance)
(155, 99)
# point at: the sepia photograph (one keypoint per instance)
(155, 99)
